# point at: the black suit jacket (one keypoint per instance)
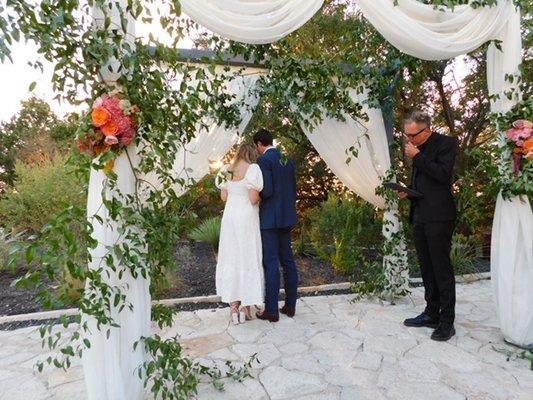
(433, 177)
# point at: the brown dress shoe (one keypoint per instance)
(267, 317)
(289, 312)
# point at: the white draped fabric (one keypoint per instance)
(110, 362)
(332, 139)
(210, 145)
(365, 170)
(512, 268)
(251, 21)
(433, 34)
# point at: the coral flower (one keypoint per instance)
(124, 124)
(519, 135)
(528, 149)
(127, 137)
(112, 104)
(110, 129)
(100, 116)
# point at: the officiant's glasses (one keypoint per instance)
(413, 135)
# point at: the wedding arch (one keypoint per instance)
(127, 188)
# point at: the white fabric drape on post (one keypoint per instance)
(512, 268)
(110, 363)
(251, 21)
(363, 174)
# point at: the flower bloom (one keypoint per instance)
(522, 123)
(110, 129)
(519, 135)
(124, 124)
(111, 140)
(127, 137)
(112, 104)
(528, 149)
(100, 116)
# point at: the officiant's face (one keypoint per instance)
(417, 134)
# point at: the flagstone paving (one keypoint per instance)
(333, 349)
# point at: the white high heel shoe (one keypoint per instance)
(234, 312)
(242, 316)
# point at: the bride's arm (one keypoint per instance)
(224, 195)
(254, 196)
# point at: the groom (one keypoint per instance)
(277, 213)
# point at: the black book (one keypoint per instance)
(401, 188)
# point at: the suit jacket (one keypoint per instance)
(278, 197)
(433, 177)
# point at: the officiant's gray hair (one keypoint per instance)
(418, 117)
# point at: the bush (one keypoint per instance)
(343, 231)
(7, 243)
(41, 191)
(463, 254)
(208, 232)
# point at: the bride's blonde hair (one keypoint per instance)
(247, 153)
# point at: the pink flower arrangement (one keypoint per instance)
(521, 137)
(521, 131)
(114, 125)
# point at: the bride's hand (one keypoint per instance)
(254, 196)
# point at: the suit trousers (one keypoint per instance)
(277, 250)
(433, 242)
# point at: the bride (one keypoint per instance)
(239, 274)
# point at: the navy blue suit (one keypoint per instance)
(277, 213)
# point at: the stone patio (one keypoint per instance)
(333, 349)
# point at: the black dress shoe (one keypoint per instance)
(289, 312)
(421, 321)
(443, 332)
(267, 317)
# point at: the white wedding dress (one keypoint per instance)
(240, 275)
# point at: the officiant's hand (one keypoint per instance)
(411, 150)
(402, 195)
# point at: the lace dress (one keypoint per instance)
(239, 274)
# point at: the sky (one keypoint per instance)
(16, 77)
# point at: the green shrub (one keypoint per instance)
(463, 254)
(7, 243)
(208, 232)
(41, 191)
(343, 231)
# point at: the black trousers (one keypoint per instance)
(433, 241)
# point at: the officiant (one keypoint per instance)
(432, 215)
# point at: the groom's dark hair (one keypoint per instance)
(264, 137)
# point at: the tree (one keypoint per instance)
(34, 135)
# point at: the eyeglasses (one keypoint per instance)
(413, 135)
